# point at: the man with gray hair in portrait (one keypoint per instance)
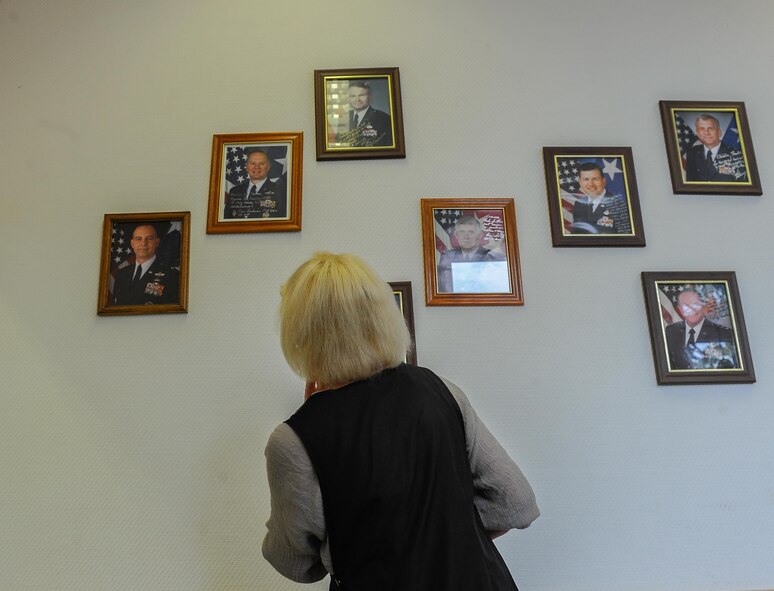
(713, 160)
(367, 126)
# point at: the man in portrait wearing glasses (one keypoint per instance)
(696, 342)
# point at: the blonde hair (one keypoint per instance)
(339, 321)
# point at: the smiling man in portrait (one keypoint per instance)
(713, 160)
(368, 126)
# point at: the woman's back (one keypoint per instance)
(389, 453)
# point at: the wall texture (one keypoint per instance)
(131, 447)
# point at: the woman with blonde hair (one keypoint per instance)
(385, 478)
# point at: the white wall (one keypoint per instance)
(131, 447)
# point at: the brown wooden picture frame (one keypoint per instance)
(162, 287)
(732, 170)
(483, 269)
(697, 328)
(234, 205)
(403, 298)
(614, 217)
(372, 93)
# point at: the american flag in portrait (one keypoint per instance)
(686, 138)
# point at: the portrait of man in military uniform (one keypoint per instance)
(254, 192)
(358, 114)
(255, 182)
(144, 268)
(709, 148)
(149, 280)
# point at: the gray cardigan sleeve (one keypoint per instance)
(503, 495)
(296, 541)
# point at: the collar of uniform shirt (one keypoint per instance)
(257, 185)
(146, 265)
(595, 201)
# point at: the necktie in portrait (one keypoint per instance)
(710, 165)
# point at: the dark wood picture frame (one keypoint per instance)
(734, 170)
(613, 220)
(163, 287)
(494, 277)
(403, 298)
(276, 207)
(337, 95)
(717, 351)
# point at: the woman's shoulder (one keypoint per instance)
(284, 444)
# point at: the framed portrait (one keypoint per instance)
(697, 328)
(144, 268)
(402, 292)
(471, 252)
(709, 148)
(358, 114)
(255, 182)
(592, 197)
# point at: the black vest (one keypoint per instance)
(389, 453)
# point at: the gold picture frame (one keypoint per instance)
(358, 114)
(471, 253)
(690, 128)
(158, 243)
(255, 182)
